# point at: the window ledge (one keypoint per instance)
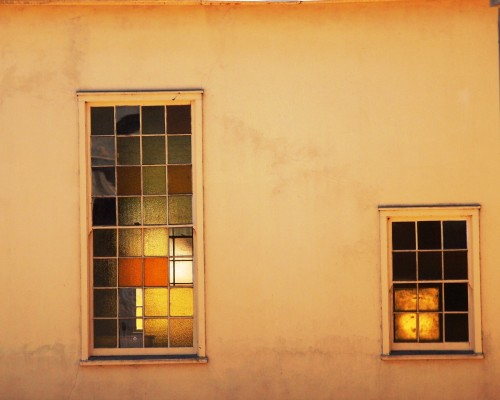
(143, 360)
(431, 355)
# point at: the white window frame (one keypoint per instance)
(90, 355)
(469, 213)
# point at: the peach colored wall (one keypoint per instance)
(313, 116)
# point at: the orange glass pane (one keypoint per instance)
(130, 272)
(156, 333)
(181, 332)
(155, 271)
(405, 298)
(428, 298)
(180, 179)
(405, 327)
(429, 326)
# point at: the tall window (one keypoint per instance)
(143, 222)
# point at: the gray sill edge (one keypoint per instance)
(145, 359)
(384, 206)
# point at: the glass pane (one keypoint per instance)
(404, 266)
(104, 211)
(405, 327)
(456, 297)
(129, 180)
(104, 242)
(429, 298)
(103, 181)
(429, 327)
(455, 265)
(455, 234)
(153, 120)
(178, 119)
(130, 336)
(156, 242)
(129, 211)
(104, 302)
(153, 150)
(180, 179)
(105, 333)
(105, 272)
(103, 150)
(129, 151)
(403, 236)
(154, 180)
(181, 302)
(181, 332)
(129, 302)
(155, 302)
(102, 121)
(130, 242)
(181, 272)
(429, 265)
(456, 327)
(405, 297)
(127, 120)
(429, 235)
(181, 246)
(179, 149)
(130, 272)
(155, 272)
(156, 333)
(180, 210)
(155, 210)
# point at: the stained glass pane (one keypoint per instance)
(181, 332)
(130, 336)
(102, 121)
(180, 179)
(156, 333)
(404, 266)
(455, 265)
(130, 242)
(129, 211)
(405, 327)
(179, 149)
(156, 242)
(455, 234)
(127, 120)
(456, 327)
(405, 297)
(430, 265)
(105, 333)
(181, 302)
(103, 181)
(105, 274)
(130, 272)
(178, 119)
(181, 272)
(155, 302)
(104, 211)
(429, 298)
(153, 150)
(153, 120)
(154, 180)
(403, 236)
(104, 302)
(180, 210)
(155, 210)
(429, 327)
(129, 152)
(104, 242)
(155, 271)
(429, 235)
(129, 180)
(102, 151)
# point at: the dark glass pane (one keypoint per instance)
(104, 302)
(403, 236)
(127, 120)
(429, 265)
(179, 149)
(103, 150)
(180, 179)
(155, 210)
(178, 119)
(105, 272)
(404, 266)
(455, 265)
(180, 210)
(128, 302)
(154, 180)
(128, 151)
(130, 335)
(153, 120)
(405, 297)
(456, 327)
(102, 121)
(129, 211)
(105, 333)
(104, 242)
(104, 211)
(130, 242)
(103, 181)
(153, 150)
(129, 180)
(456, 297)
(181, 332)
(455, 234)
(429, 235)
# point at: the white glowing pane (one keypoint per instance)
(181, 271)
(138, 297)
(138, 324)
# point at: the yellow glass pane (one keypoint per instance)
(156, 302)
(181, 302)
(138, 297)
(156, 242)
(428, 298)
(155, 210)
(405, 299)
(130, 272)
(428, 326)
(405, 327)
(181, 332)
(139, 324)
(130, 242)
(156, 333)
(155, 271)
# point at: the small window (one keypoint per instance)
(430, 280)
(142, 224)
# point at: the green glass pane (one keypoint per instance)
(102, 150)
(154, 180)
(180, 210)
(156, 332)
(127, 120)
(102, 121)
(129, 211)
(105, 272)
(181, 332)
(105, 303)
(178, 119)
(129, 180)
(103, 181)
(153, 120)
(180, 179)
(104, 242)
(129, 151)
(155, 302)
(155, 210)
(179, 149)
(130, 334)
(156, 242)
(153, 150)
(130, 242)
(105, 333)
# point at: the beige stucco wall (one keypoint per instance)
(313, 116)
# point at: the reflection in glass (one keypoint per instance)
(154, 180)
(155, 302)
(128, 301)
(105, 333)
(178, 119)
(130, 242)
(155, 210)
(130, 336)
(130, 272)
(153, 150)
(129, 211)
(405, 327)
(129, 152)
(156, 242)
(180, 210)
(155, 271)
(102, 151)
(129, 180)
(104, 303)
(181, 302)
(181, 272)
(105, 272)
(103, 181)
(156, 332)
(102, 121)
(127, 120)
(104, 211)
(180, 179)
(181, 332)
(153, 120)
(429, 327)
(179, 149)
(104, 242)
(405, 298)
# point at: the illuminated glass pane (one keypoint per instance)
(156, 333)
(155, 210)
(155, 302)
(102, 121)
(102, 151)
(429, 235)
(127, 120)
(183, 246)
(181, 332)
(405, 327)
(179, 149)
(129, 211)
(155, 271)
(180, 210)
(156, 242)
(130, 272)
(130, 336)
(153, 150)
(129, 301)
(404, 266)
(455, 234)
(153, 120)
(455, 265)
(405, 297)
(430, 265)
(104, 242)
(456, 327)
(456, 297)
(429, 327)
(104, 211)
(130, 242)
(181, 302)
(154, 180)
(128, 180)
(105, 272)
(181, 272)
(105, 333)
(104, 302)
(180, 179)
(403, 236)
(103, 181)
(429, 298)
(128, 150)
(178, 119)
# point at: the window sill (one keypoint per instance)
(142, 360)
(431, 355)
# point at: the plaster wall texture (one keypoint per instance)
(313, 116)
